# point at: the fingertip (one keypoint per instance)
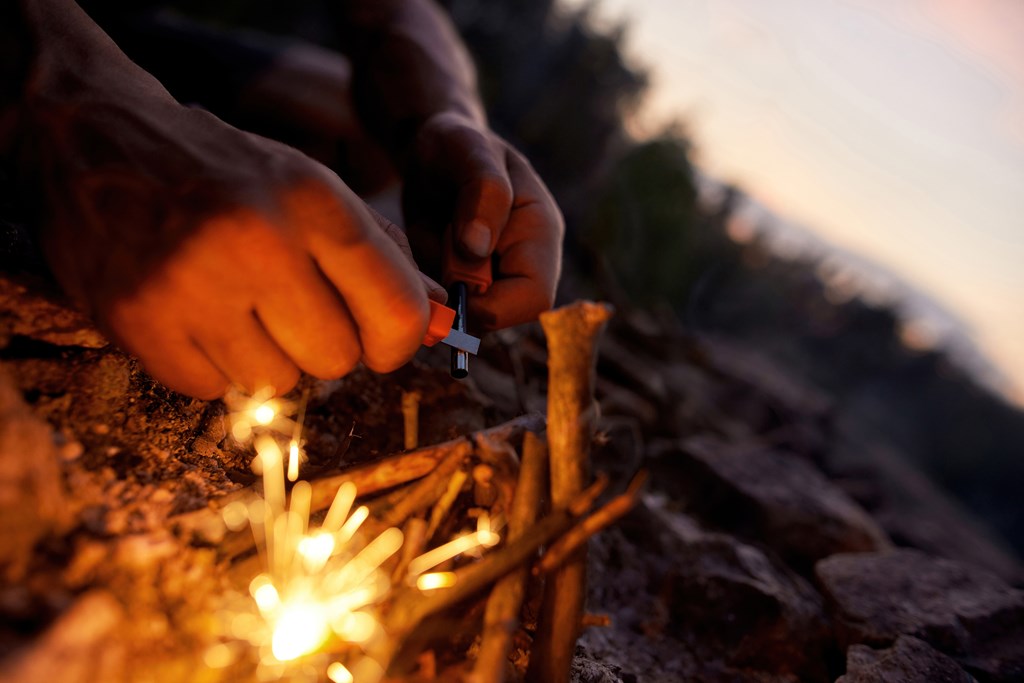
(476, 239)
(386, 350)
(205, 386)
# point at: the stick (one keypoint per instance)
(426, 492)
(561, 550)
(505, 601)
(207, 525)
(411, 418)
(502, 458)
(444, 504)
(415, 539)
(410, 606)
(572, 332)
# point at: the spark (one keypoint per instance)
(320, 587)
(259, 413)
(435, 580)
(338, 673)
(484, 536)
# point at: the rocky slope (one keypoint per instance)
(770, 545)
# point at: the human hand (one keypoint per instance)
(461, 173)
(213, 255)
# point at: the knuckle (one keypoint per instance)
(409, 324)
(207, 390)
(284, 377)
(339, 365)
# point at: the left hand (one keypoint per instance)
(460, 172)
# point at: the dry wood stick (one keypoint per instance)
(415, 539)
(562, 549)
(506, 599)
(572, 332)
(426, 491)
(411, 418)
(502, 458)
(207, 524)
(445, 502)
(410, 606)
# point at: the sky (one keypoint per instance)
(894, 129)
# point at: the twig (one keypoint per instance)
(502, 458)
(444, 504)
(426, 492)
(410, 606)
(411, 418)
(415, 539)
(572, 332)
(506, 599)
(207, 525)
(485, 494)
(562, 549)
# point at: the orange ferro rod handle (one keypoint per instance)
(441, 320)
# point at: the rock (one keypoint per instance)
(699, 606)
(914, 511)
(965, 612)
(32, 498)
(77, 648)
(779, 500)
(909, 660)
(34, 312)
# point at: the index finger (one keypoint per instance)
(381, 288)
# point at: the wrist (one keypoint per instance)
(74, 61)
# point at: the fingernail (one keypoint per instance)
(476, 238)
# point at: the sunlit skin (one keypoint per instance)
(220, 257)
(318, 585)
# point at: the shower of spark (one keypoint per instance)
(313, 610)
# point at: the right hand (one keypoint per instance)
(215, 256)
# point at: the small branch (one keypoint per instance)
(207, 525)
(502, 458)
(562, 549)
(427, 491)
(415, 540)
(444, 504)
(501, 617)
(411, 418)
(410, 606)
(572, 333)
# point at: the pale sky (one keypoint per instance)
(894, 128)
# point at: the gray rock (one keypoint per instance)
(30, 309)
(965, 612)
(908, 661)
(699, 606)
(779, 500)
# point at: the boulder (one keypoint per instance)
(701, 606)
(909, 660)
(778, 500)
(963, 611)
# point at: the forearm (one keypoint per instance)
(72, 56)
(409, 64)
(73, 67)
